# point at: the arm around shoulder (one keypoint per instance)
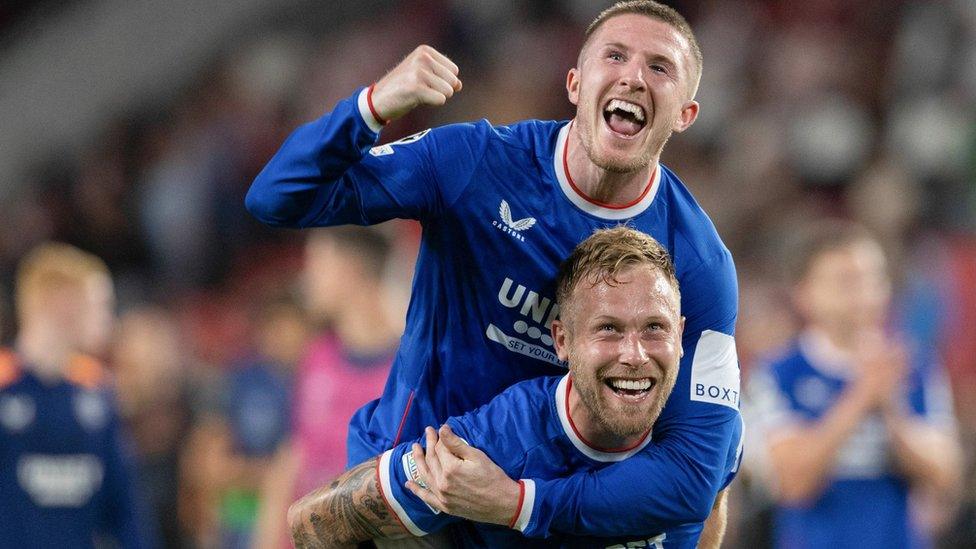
(347, 511)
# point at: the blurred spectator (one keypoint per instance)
(231, 451)
(852, 421)
(149, 368)
(66, 477)
(343, 369)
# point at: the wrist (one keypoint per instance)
(372, 106)
(363, 101)
(525, 502)
(518, 507)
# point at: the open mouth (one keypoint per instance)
(624, 118)
(631, 389)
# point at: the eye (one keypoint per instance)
(607, 327)
(659, 68)
(615, 56)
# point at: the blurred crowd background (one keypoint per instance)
(864, 110)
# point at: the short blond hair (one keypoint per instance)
(663, 13)
(51, 267)
(605, 254)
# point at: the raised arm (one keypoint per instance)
(322, 174)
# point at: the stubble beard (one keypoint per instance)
(626, 420)
(615, 165)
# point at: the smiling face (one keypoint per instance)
(623, 343)
(633, 88)
(846, 288)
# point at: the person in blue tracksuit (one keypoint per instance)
(66, 471)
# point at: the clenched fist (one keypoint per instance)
(425, 77)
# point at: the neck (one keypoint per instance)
(840, 337)
(45, 356)
(365, 325)
(591, 430)
(600, 184)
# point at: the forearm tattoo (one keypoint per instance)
(349, 510)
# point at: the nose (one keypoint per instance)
(632, 76)
(632, 351)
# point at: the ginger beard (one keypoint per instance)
(620, 418)
(622, 388)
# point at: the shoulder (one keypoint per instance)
(521, 408)
(9, 368)
(534, 135)
(527, 135)
(782, 364)
(88, 373)
(696, 238)
(527, 397)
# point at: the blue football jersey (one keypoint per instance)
(65, 479)
(257, 407)
(528, 431)
(499, 212)
(865, 502)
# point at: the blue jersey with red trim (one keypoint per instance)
(529, 432)
(65, 478)
(499, 213)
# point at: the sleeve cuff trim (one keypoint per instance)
(386, 492)
(526, 504)
(366, 110)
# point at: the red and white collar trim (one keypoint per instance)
(589, 205)
(590, 451)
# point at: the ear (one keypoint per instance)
(572, 86)
(559, 336)
(687, 116)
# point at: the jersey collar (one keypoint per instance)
(589, 205)
(596, 454)
(824, 356)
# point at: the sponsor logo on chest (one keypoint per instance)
(512, 227)
(530, 332)
(60, 480)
